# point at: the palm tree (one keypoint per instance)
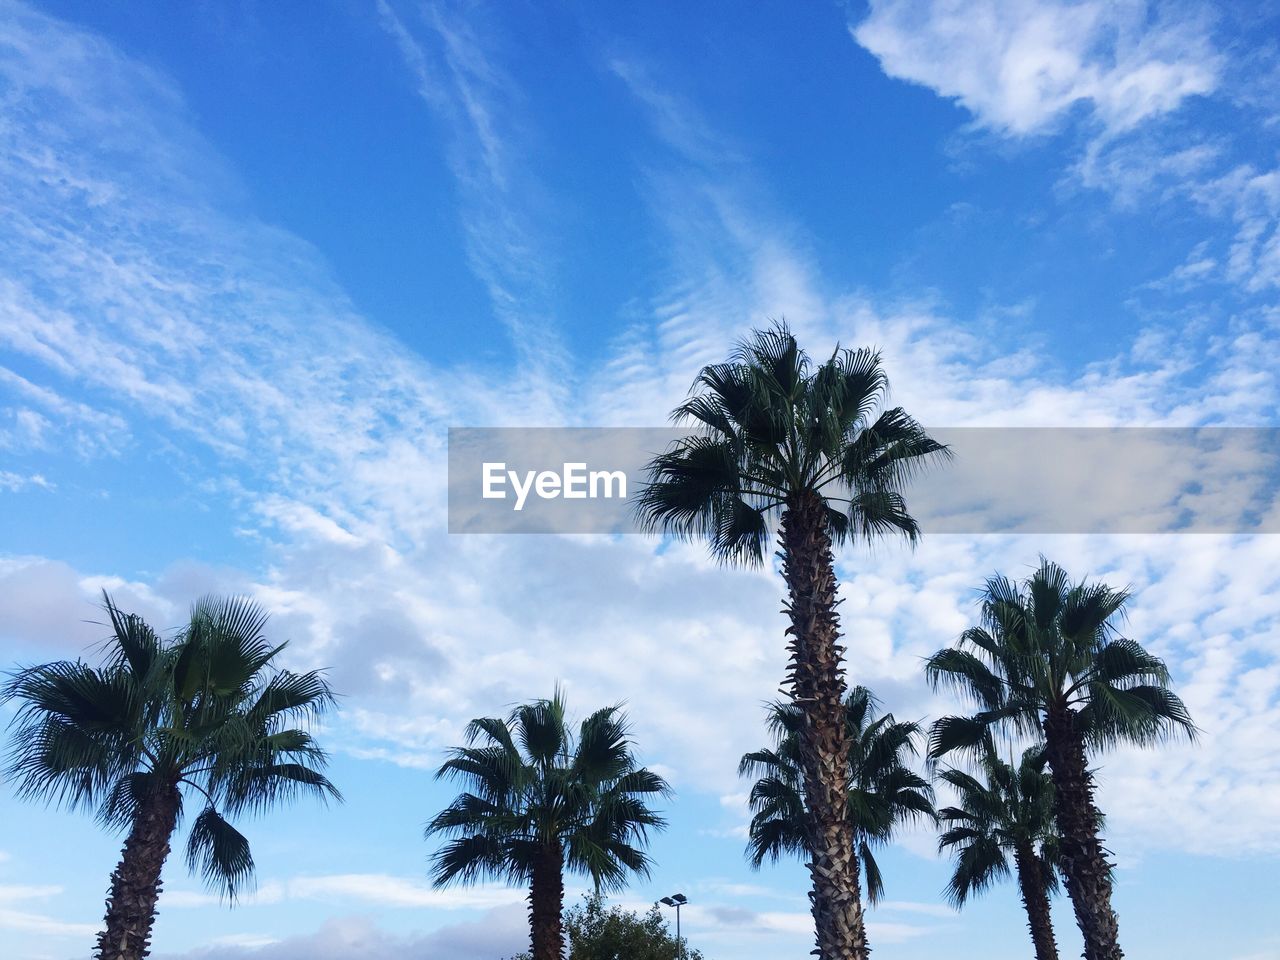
(203, 716)
(883, 791)
(1010, 813)
(1048, 661)
(541, 801)
(776, 434)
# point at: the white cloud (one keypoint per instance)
(13, 482)
(1020, 67)
(24, 921)
(1252, 199)
(374, 889)
(499, 933)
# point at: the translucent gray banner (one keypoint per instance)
(1002, 480)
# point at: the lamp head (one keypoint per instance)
(668, 901)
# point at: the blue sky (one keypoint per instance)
(256, 259)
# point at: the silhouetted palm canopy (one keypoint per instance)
(1048, 661)
(771, 426)
(883, 791)
(1008, 809)
(204, 712)
(1050, 645)
(533, 784)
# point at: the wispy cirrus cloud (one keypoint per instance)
(448, 56)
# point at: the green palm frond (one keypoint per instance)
(204, 711)
(475, 856)
(133, 643)
(884, 793)
(770, 427)
(1144, 715)
(1048, 645)
(77, 730)
(979, 864)
(871, 870)
(1006, 814)
(219, 853)
(538, 788)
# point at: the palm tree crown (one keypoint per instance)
(542, 801)
(534, 785)
(1049, 647)
(202, 715)
(773, 427)
(1008, 817)
(1048, 661)
(883, 791)
(1009, 810)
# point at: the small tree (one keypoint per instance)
(542, 800)
(597, 932)
(884, 792)
(1006, 815)
(1048, 661)
(205, 719)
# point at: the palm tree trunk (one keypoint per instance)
(1035, 897)
(546, 901)
(816, 676)
(1084, 865)
(135, 884)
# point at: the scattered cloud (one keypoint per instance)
(1021, 68)
(500, 933)
(14, 482)
(25, 921)
(375, 889)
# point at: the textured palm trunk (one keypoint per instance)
(1084, 865)
(1035, 897)
(816, 677)
(135, 884)
(546, 901)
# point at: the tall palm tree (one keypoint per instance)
(1048, 661)
(776, 435)
(203, 717)
(541, 801)
(1011, 813)
(884, 792)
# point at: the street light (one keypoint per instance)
(677, 900)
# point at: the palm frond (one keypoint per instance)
(538, 789)
(771, 428)
(219, 853)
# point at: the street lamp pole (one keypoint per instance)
(677, 900)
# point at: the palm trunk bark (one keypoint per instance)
(546, 901)
(1035, 897)
(1084, 865)
(816, 677)
(135, 884)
